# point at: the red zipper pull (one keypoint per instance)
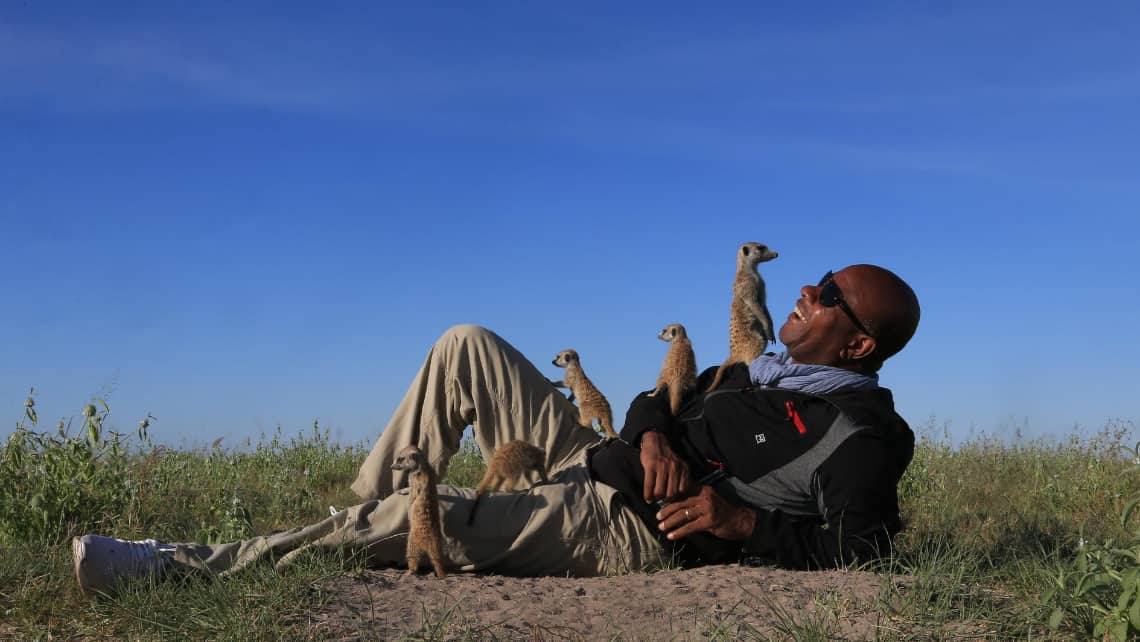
(795, 417)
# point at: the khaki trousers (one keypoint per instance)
(572, 525)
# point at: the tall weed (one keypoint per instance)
(54, 484)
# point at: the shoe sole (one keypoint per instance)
(78, 554)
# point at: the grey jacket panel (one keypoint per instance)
(791, 488)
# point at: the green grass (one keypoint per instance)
(991, 527)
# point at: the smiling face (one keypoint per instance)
(882, 302)
(822, 335)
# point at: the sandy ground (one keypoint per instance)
(731, 602)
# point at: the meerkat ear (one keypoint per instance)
(744, 250)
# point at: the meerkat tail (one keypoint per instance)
(675, 395)
(720, 374)
(488, 479)
(474, 507)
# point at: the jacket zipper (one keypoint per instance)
(794, 416)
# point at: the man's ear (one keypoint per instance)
(860, 347)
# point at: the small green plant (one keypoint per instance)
(466, 467)
(228, 522)
(52, 485)
(1100, 591)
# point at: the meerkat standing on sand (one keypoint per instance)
(679, 372)
(511, 462)
(591, 403)
(424, 535)
(749, 325)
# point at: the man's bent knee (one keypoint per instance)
(469, 334)
(466, 332)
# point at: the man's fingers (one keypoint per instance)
(687, 516)
(668, 510)
(684, 485)
(671, 487)
(682, 518)
(662, 484)
(650, 480)
(673, 516)
(700, 523)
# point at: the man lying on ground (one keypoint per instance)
(794, 460)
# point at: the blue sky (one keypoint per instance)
(239, 215)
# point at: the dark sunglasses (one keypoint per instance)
(830, 296)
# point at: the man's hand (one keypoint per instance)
(706, 511)
(666, 474)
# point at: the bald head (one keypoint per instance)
(886, 305)
(824, 332)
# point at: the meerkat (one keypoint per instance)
(749, 325)
(679, 372)
(513, 461)
(424, 534)
(592, 403)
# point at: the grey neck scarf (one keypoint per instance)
(779, 371)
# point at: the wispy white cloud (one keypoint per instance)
(234, 82)
(147, 72)
(1097, 85)
(792, 72)
(729, 99)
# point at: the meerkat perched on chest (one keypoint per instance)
(425, 537)
(749, 324)
(592, 403)
(513, 461)
(679, 372)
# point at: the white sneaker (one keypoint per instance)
(102, 562)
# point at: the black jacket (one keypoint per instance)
(821, 472)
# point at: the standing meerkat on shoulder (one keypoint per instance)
(511, 462)
(424, 534)
(592, 403)
(749, 324)
(679, 372)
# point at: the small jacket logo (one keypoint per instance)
(761, 438)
